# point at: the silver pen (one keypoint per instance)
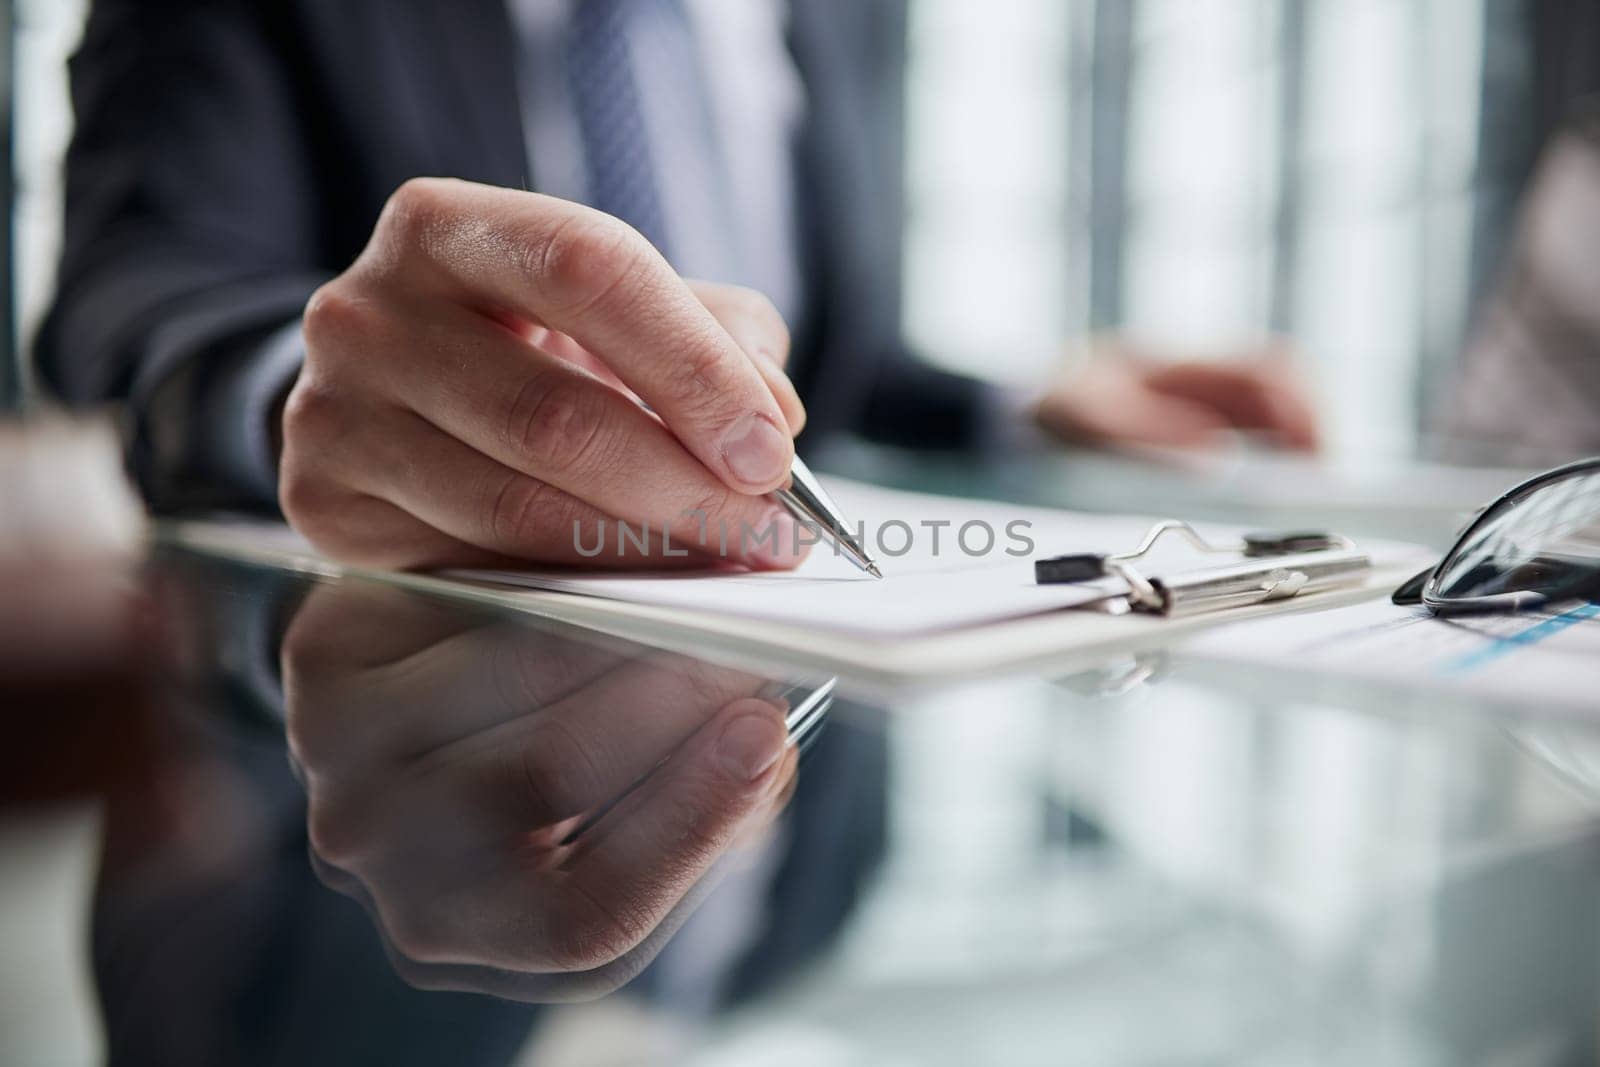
(809, 503)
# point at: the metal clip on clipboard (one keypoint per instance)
(1275, 566)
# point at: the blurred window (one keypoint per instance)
(1194, 171)
(1198, 173)
(45, 31)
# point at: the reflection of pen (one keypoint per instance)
(808, 705)
(810, 504)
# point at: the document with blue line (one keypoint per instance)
(1548, 659)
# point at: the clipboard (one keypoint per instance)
(1275, 566)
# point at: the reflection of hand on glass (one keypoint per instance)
(521, 813)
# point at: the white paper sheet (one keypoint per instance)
(922, 591)
(1531, 661)
(933, 617)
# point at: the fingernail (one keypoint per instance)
(749, 746)
(756, 451)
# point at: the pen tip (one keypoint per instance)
(872, 569)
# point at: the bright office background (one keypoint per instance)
(1200, 173)
(1195, 172)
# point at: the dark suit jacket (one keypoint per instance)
(232, 155)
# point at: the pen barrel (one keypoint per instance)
(835, 531)
(810, 504)
(1259, 581)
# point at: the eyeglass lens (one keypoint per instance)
(1545, 542)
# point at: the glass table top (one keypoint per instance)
(367, 825)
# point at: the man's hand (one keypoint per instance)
(522, 814)
(472, 392)
(1123, 398)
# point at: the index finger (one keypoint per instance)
(596, 279)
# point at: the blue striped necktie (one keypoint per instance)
(607, 39)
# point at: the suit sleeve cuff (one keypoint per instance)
(243, 408)
(203, 438)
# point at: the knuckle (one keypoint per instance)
(737, 509)
(309, 659)
(717, 503)
(334, 835)
(553, 768)
(703, 380)
(555, 422)
(419, 933)
(299, 495)
(425, 220)
(312, 415)
(708, 678)
(759, 310)
(309, 494)
(302, 654)
(520, 506)
(334, 316)
(732, 520)
(578, 264)
(311, 745)
(415, 207)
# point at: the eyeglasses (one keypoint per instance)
(1537, 544)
